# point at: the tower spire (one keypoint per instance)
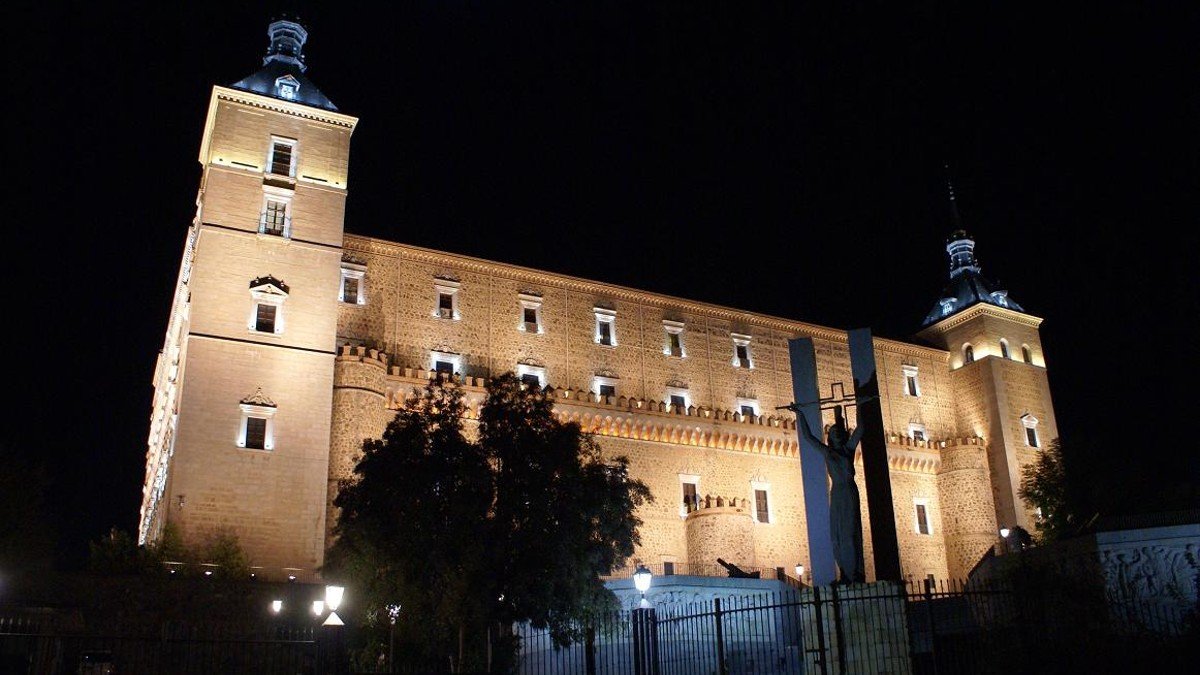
(287, 43)
(953, 203)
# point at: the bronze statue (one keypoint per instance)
(845, 517)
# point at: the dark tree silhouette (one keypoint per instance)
(470, 535)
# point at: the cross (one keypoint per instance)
(837, 400)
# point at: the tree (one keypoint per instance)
(566, 513)
(467, 535)
(412, 523)
(225, 551)
(1044, 487)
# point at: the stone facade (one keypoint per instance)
(390, 345)
(252, 428)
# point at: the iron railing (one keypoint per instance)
(916, 627)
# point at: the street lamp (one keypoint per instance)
(800, 572)
(1004, 532)
(645, 627)
(333, 599)
(276, 606)
(318, 607)
(641, 581)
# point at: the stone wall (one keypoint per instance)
(728, 457)
(721, 533)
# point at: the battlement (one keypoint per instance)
(636, 418)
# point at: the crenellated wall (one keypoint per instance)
(969, 523)
(729, 452)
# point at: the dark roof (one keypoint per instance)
(263, 82)
(965, 289)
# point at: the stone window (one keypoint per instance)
(968, 353)
(606, 328)
(282, 158)
(274, 219)
(679, 398)
(267, 295)
(689, 485)
(673, 345)
(257, 429)
(912, 386)
(1004, 352)
(1026, 354)
(445, 364)
(1031, 433)
(604, 386)
(353, 290)
(921, 516)
(264, 318)
(533, 376)
(741, 351)
(275, 216)
(446, 291)
(916, 430)
(748, 407)
(762, 501)
(531, 313)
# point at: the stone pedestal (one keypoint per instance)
(865, 628)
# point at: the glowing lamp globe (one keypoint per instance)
(333, 597)
(1004, 532)
(276, 606)
(318, 607)
(641, 579)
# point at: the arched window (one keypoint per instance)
(1004, 349)
(1026, 354)
(968, 354)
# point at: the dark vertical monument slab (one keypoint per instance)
(874, 456)
(812, 465)
(834, 525)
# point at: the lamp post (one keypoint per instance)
(393, 614)
(800, 572)
(645, 630)
(333, 600)
(641, 581)
(276, 606)
(1004, 532)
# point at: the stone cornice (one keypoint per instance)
(531, 276)
(977, 310)
(277, 105)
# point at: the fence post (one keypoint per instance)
(589, 649)
(645, 642)
(837, 629)
(821, 660)
(932, 626)
(721, 667)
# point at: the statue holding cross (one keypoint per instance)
(845, 516)
(831, 496)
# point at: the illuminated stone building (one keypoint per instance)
(290, 341)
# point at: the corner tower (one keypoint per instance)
(998, 372)
(239, 434)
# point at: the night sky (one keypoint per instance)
(786, 160)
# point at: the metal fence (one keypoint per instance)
(30, 646)
(916, 628)
(920, 628)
